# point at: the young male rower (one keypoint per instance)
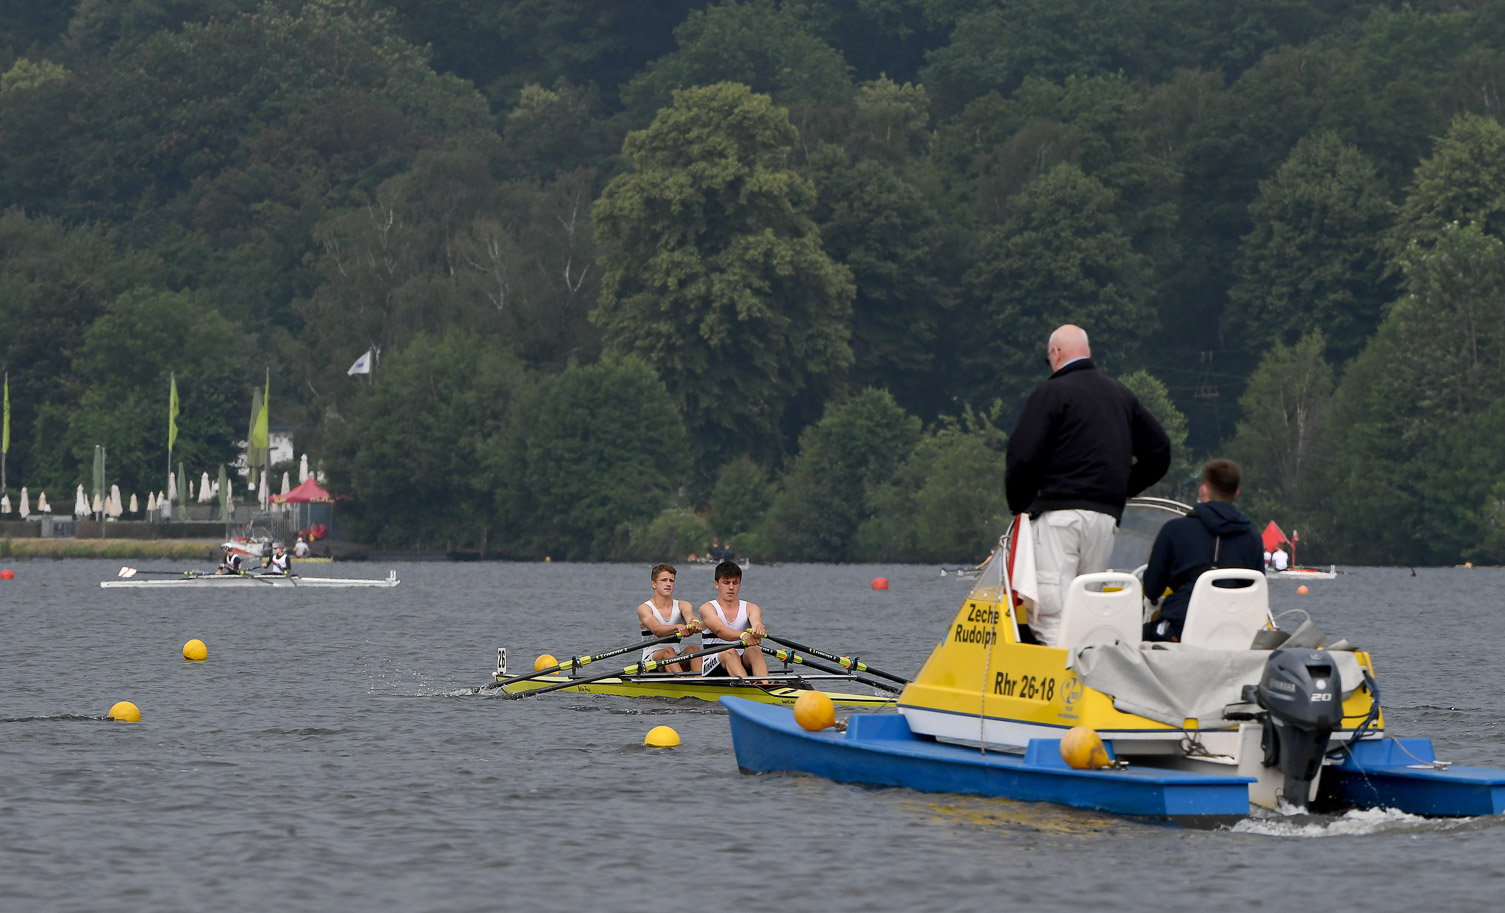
(726, 619)
(664, 615)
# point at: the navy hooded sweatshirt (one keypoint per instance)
(1184, 549)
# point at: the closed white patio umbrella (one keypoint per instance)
(134, 507)
(4, 504)
(42, 506)
(80, 503)
(206, 493)
(25, 504)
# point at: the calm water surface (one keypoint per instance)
(332, 754)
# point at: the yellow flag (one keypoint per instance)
(259, 430)
(172, 415)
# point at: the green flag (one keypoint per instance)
(172, 417)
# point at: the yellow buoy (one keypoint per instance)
(544, 662)
(195, 650)
(1083, 749)
(125, 712)
(813, 711)
(661, 737)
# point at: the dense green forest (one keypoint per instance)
(636, 275)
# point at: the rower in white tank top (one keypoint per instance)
(661, 616)
(676, 617)
(709, 664)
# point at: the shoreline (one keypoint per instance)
(189, 549)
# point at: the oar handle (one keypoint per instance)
(789, 656)
(846, 662)
(575, 662)
(652, 665)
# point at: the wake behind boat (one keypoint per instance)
(137, 579)
(1238, 714)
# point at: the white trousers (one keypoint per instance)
(1067, 543)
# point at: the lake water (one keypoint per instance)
(332, 754)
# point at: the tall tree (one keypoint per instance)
(575, 471)
(752, 42)
(1463, 180)
(885, 231)
(715, 274)
(414, 438)
(1311, 259)
(1438, 360)
(1280, 441)
(1060, 257)
(855, 447)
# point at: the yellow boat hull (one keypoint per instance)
(705, 689)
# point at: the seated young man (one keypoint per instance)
(663, 615)
(1214, 535)
(725, 620)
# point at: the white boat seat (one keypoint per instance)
(1226, 617)
(1101, 609)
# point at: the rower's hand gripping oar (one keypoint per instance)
(575, 662)
(789, 656)
(653, 665)
(851, 664)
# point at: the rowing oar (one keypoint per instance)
(131, 572)
(789, 656)
(846, 662)
(653, 665)
(575, 662)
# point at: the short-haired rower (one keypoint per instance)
(728, 619)
(663, 615)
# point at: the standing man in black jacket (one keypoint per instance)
(1214, 535)
(1083, 445)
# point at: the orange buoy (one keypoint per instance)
(1301, 589)
(7, 574)
(880, 583)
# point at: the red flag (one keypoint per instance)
(1272, 536)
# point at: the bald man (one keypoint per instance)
(1082, 447)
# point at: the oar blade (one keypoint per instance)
(127, 572)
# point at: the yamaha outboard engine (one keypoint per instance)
(1303, 702)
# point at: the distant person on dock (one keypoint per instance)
(1083, 445)
(1214, 535)
(300, 548)
(715, 552)
(281, 561)
(1279, 560)
(725, 620)
(663, 615)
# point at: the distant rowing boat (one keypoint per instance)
(1304, 573)
(249, 581)
(786, 688)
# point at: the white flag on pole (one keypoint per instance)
(362, 365)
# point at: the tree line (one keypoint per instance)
(774, 271)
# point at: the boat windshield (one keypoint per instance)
(1141, 522)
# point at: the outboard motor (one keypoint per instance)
(1303, 704)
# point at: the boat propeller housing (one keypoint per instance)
(1303, 703)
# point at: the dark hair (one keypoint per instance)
(659, 569)
(1221, 478)
(728, 570)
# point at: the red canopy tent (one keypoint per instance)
(307, 492)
